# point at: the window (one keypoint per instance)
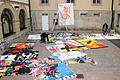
(44, 14)
(7, 23)
(55, 14)
(96, 1)
(96, 14)
(44, 1)
(70, 1)
(83, 14)
(22, 19)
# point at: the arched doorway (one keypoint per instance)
(22, 19)
(7, 24)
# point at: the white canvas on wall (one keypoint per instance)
(66, 14)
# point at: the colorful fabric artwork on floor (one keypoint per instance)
(15, 60)
(15, 48)
(90, 43)
(51, 68)
(64, 36)
(25, 62)
(70, 56)
(59, 36)
(82, 59)
(20, 58)
(22, 45)
(95, 36)
(71, 50)
(54, 49)
(6, 60)
(70, 45)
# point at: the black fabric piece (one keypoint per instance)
(81, 61)
(23, 70)
(9, 71)
(89, 42)
(67, 48)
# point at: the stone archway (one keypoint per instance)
(9, 7)
(22, 19)
(24, 9)
(12, 11)
(7, 22)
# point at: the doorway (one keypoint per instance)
(45, 26)
(7, 25)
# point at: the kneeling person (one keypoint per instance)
(44, 37)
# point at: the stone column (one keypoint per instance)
(16, 26)
(1, 34)
(27, 23)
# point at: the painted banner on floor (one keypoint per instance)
(56, 51)
(90, 43)
(70, 45)
(66, 15)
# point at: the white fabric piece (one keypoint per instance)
(34, 37)
(69, 55)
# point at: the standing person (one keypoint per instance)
(105, 29)
(44, 37)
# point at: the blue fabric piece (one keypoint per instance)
(62, 69)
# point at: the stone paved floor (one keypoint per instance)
(108, 59)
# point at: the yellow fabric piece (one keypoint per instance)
(41, 74)
(75, 49)
(90, 43)
(71, 62)
(57, 76)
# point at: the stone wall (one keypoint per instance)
(82, 19)
(117, 21)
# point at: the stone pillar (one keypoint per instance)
(1, 34)
(16, 26)
(27, 23)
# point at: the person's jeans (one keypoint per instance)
(43, 39)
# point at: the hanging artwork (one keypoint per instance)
(66, 15)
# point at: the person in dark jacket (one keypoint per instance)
(44, 37)
(105, 29)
